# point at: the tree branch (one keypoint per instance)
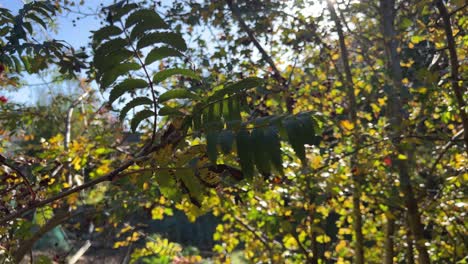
(458, 91)
(109, 177)
(276, 73)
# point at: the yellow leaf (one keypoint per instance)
(290, 242)
(157, 213)
(422, 90)
(402, 157)
(347, 125)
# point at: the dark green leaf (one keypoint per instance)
(177, 94)
(119, 11)
(273, 148)
(242, 85)
(111, 46)
(167, 110)
(126, 86)
(169, 38)
(245, 152)
(105, 33)
(160, 53)
(140, 29)
(133, 103)
(261, 157)
(211, 146)
(225, 140)
(106, 62)
(140, 116)
(212, 117)
(293, 129)
(145, 15)
(37, 20)
(109, 77)
(308, 130)
(164, 74)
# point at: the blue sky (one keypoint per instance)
(76, 36)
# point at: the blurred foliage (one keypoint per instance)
(262, 142)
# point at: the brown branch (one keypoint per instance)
(25, 179)
(27, 245)
(352, 113)
(458, 91)
(237, 15)
(444, 150)
(150, 83)
(171, 137)
(109, 177)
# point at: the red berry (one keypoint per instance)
(388, 161)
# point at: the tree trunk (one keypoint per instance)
(397, 97)
(409, 242)
(389, 241)
(352, 112)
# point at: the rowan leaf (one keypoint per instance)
(140, 116)
(245, 152)
(226, 140)
(164, 74)
(177, 94)
(170, 38)
(109, 77)
(160, 53)
(126, 86)
(134, 103)
(105, 33)
(260, 155)
(145, 15)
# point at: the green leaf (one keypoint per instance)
(37, 20)
(164, 74)
(211, 146)
(245, 152)
(308, 133)
(106, 62)
(111, 46)
(109, 77)
(212, 117)
(134, 103)
(105, 33)
(273, 148)
(169, 38)
(196, 119)
(119, 11)
(192, 183)
(145, 15)
(167, 184)
(177, 94)
(225, 140)
(167, 110)
(139, 30)
(242, 85)
(126, 86)
(293, 129)
(140, 116)
(261, 157)
(42, 215)
(160, 53)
